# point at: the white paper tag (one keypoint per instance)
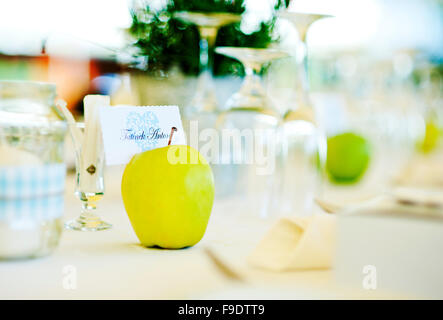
(128, 130)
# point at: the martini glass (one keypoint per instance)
(250, 122)
(208, 25)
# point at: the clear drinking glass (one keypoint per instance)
(90, 186)
(299, 168)
(32, 169)
(247, 165)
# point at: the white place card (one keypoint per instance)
(128, 130)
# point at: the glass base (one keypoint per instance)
(88, 222)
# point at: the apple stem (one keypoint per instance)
(173, 129)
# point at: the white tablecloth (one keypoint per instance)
(111, 264)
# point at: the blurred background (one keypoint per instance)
(96, 46)
(375, 68)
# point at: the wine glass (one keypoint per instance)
(252, 121)
(302, 22)
(90, 187)
(208, 25)
(301, 163)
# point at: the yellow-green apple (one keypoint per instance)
(168, 195)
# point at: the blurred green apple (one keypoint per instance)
(348, 156)
(431, 138)
(168, 195)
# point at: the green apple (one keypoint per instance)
(348, 157)
(168, 195)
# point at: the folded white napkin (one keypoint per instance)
(297, 243)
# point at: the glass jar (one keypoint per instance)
(32, 169)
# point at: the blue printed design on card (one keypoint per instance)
(141, 128)
(129, 130)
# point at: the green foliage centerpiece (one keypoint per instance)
(166, 40)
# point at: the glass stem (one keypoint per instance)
(204, 54)
(205, 98)
(88, 211)
(252, 83)
(305, 67)
(303, 75)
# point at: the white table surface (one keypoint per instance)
(112, 265)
